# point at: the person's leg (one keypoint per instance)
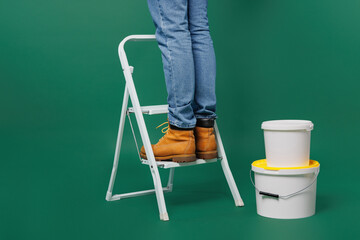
(172, 33)
(204, 104)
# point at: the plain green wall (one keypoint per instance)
(61, 88)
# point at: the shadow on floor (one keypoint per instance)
(326, 202)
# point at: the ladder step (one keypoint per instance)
(151, 110)
(169, 164)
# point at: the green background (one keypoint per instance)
(61, 88)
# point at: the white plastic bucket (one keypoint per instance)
(285, 193)
(287, 142)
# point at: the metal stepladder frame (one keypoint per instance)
(130, 91)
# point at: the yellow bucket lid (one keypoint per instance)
(261, 166)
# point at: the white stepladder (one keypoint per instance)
(130, 91)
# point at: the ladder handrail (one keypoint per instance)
(130, 89)
(121, 50)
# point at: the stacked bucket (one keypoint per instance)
(285, 182)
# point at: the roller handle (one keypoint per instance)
(269, 194)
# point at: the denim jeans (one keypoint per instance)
(182, 33)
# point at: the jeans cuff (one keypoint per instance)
(181, 125)
(213, 116)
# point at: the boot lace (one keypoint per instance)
(164, 129)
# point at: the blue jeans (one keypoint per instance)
(188, 56)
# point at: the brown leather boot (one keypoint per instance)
(175, 145)
(206, 147)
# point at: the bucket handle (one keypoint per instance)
(284, 196)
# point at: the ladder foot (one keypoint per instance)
(108, 196)
(164, 216)
(239, 203)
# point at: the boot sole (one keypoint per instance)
(175, 158)
(207, 155)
